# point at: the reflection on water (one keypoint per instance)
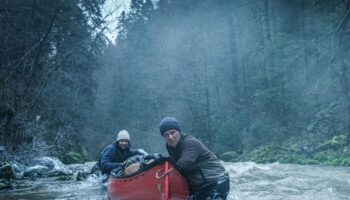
(249, 181)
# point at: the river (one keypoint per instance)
(249, 181)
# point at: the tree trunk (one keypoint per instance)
(235, 95)
(267, 21)
(344, 66)
(303, 24)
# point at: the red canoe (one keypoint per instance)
(157, 181)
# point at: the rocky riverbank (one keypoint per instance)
(43, 167)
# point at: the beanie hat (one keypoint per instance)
(167, 124)
(123, 135)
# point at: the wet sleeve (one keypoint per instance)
(135, 152)
(190, 153)
(106, 161)
(142, 152)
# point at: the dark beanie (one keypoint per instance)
(167, 124)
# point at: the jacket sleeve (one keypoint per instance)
(190, 154)
(107, 164)
(134, 152)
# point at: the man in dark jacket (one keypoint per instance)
(204, 172)
(113, 156)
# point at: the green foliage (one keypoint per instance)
(345, 162)
(273, 153)
(276, 153)
(336, 142)
(332, 157)
(73, 157)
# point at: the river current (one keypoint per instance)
(249, 181)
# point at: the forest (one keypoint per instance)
(262, 81)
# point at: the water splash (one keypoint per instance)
(249, 181)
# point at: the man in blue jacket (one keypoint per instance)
(113, 156)
(206, 176)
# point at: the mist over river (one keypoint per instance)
(249, 181)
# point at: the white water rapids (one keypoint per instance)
(249, 181)
(288, 182)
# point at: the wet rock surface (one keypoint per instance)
(43, 167)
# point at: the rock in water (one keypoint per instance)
(6, 171)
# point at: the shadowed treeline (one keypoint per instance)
(237, 74)
(241, 75)
(48, 52)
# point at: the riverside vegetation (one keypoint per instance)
(263, 81)
(334, 152)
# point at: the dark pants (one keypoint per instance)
(218, 191)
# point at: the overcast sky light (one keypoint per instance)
(112, 9)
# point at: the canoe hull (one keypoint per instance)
(160, 182)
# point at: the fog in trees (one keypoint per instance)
(236, 74)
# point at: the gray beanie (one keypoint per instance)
(167, 124)
(123, 135)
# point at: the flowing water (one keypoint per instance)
(248, 181)
(288, 182)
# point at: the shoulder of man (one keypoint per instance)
(194, 143)
(189, 139)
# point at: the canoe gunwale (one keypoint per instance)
(116, 174)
